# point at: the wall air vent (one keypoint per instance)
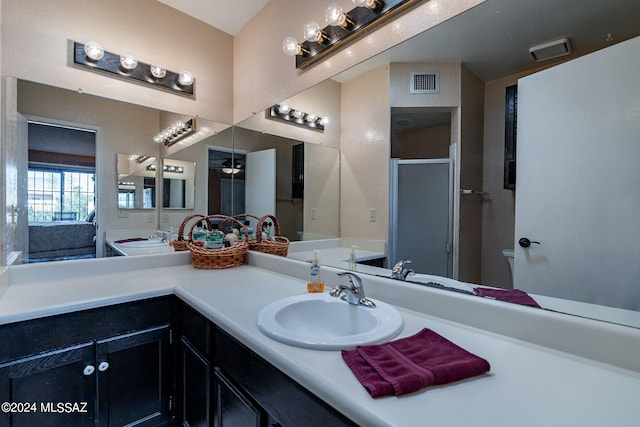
(425, 82)
(550, 50)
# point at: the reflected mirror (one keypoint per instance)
(136, 181)
(178, 184)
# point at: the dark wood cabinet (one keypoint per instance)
(134, 379)
(156, 362)
(110, 366)
(281, 400)
(37, 384)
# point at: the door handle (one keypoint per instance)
(525, 242)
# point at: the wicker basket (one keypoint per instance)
(180, 244)
(278, 245)
(218, 258)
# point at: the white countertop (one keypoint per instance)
(529, 385)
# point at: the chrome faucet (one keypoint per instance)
(401, 270)
(162, 235)
(352, 293)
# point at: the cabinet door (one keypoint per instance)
(193, 386)
(233, 409)
(133, 379)
(57, 388)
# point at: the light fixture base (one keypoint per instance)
(110, 64)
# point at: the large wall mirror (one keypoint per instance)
(463, 122)
(178, 184)
(136, 181)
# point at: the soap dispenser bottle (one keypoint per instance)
(352, 258)
(315, 284)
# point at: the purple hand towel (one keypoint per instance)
(410, 364)
(133, 239)
(515, 296)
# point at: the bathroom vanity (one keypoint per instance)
(556, 369)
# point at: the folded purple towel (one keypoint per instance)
(410, 364)
(515, 296)
(133, 239)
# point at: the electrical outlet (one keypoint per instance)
(122, 213)
(372, 215)
(314, 213)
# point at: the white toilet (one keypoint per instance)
(508, 254)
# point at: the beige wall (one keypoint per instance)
(263, 75)
(35, 47)
(471, 165)
(365, 149)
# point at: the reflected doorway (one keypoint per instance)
(61, 192)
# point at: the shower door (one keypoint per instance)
(421, 211)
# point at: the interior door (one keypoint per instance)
(260, 182)
(578, 181)
(421, 215)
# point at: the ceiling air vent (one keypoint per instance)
(550, 50)
(425, 82)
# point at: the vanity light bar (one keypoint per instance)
(296, 117)
(174, 133)
(342, 30)
(125, 66)
(167, 168)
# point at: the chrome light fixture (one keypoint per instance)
(341, 29)
(230, 167)
(293, 116)
(93, 57)
(174, 133)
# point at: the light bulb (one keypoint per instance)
(297, 114)
(283, 109)
(128, 61)
(185, 78)
(324, 120)
(291, 47)
(311, 117)
(157, 139)
(93, 51)
(179, 124)
(334, 16)
(371, 4)
(311, 32)
(158, 71)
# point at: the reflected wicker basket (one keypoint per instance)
(277, 245)
(180, 244)
(205, 258)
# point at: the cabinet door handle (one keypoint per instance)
(88, 370)
(103, 366)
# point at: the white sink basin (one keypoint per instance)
(144, 243)
(323, 322)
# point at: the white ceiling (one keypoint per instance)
(226, 15)
(492, 39)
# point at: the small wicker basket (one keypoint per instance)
(218, 258)
(278, 245)
(180, 244)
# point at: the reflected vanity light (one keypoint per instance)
(293, 116)
(93, 57)
(174, 133)
(341, 29)
(167, 168)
